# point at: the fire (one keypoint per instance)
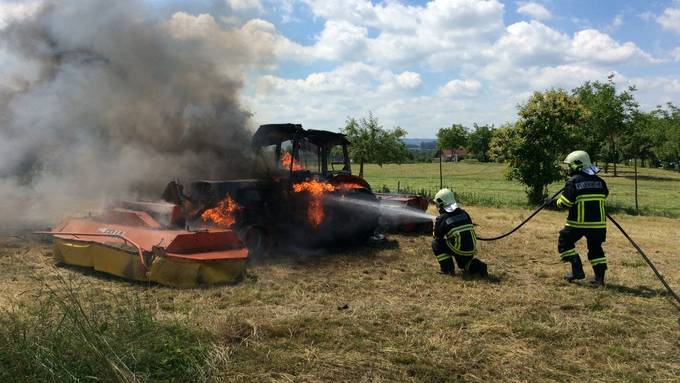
(349, 185)
(287, 158)
(224, 214)
(315, 213)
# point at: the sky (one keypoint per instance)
(424, 65)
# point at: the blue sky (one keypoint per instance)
(423, 65)
(567, 42)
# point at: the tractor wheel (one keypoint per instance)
(258, 241)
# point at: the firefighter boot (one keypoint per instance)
(576, 269)
(447, 267)
(598, 281)
(476, 268)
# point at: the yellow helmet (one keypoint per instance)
(578, 160)
(444, 199)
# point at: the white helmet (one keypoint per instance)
(444, 199)
(578, 160)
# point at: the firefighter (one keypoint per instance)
(584, 195)
(454, 238)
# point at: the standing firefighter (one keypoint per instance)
(454, 237)
(584, 194)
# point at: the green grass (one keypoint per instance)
(484, 184)
(74, 333)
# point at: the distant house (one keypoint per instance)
(450, 155)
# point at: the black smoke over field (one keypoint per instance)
(106, 100)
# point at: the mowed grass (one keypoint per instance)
(484, 184)
(381, 312)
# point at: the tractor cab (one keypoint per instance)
(302, 153)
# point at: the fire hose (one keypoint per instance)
(546, 203)
(649, 262)
(659, 276)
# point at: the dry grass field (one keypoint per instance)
(382, 313)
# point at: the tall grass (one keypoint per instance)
(74, 333)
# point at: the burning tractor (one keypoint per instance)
(302, 193)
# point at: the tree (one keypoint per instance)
(667, 135)
(452, 138)
(479, 142)
(638, 142)
(500, 139)
(608, 117)
(371, 143)
(543, 134)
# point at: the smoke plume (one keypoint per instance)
(103, 99)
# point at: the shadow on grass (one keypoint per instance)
(639, 291)
(300, 255)
(102, 276)
(651, 178)
(630, 210)
(491, 278)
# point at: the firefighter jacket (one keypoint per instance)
(456, 232)
(584, 195)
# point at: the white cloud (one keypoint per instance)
(347, 79)
(531, 43)
(535, 44)
(490, 62)
(564, 76)
(284, 8)
(616, 23)
(646, 16)
(245, 5)
(534, 10)
(675, 54)
(325, 99)
(341, 40)
(593, 45)
(670, 19)
(457, 87)
(655, 90)
(409, 80)
(411, 35)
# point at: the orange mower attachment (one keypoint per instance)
(132, 244)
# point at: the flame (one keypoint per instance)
(315, 213)
(224, 214)
(349, 186)
(287, 158)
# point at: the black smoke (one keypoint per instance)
(106, 101)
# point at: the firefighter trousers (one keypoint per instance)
(566, 244)
(467, 263)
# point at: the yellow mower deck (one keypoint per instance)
(140, 250)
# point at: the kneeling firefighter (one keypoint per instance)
(584, 195)
(454, 237)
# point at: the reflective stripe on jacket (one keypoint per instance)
(458, 232)
(585, 196)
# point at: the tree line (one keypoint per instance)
(595, 117)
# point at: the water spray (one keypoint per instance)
(385, 210)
